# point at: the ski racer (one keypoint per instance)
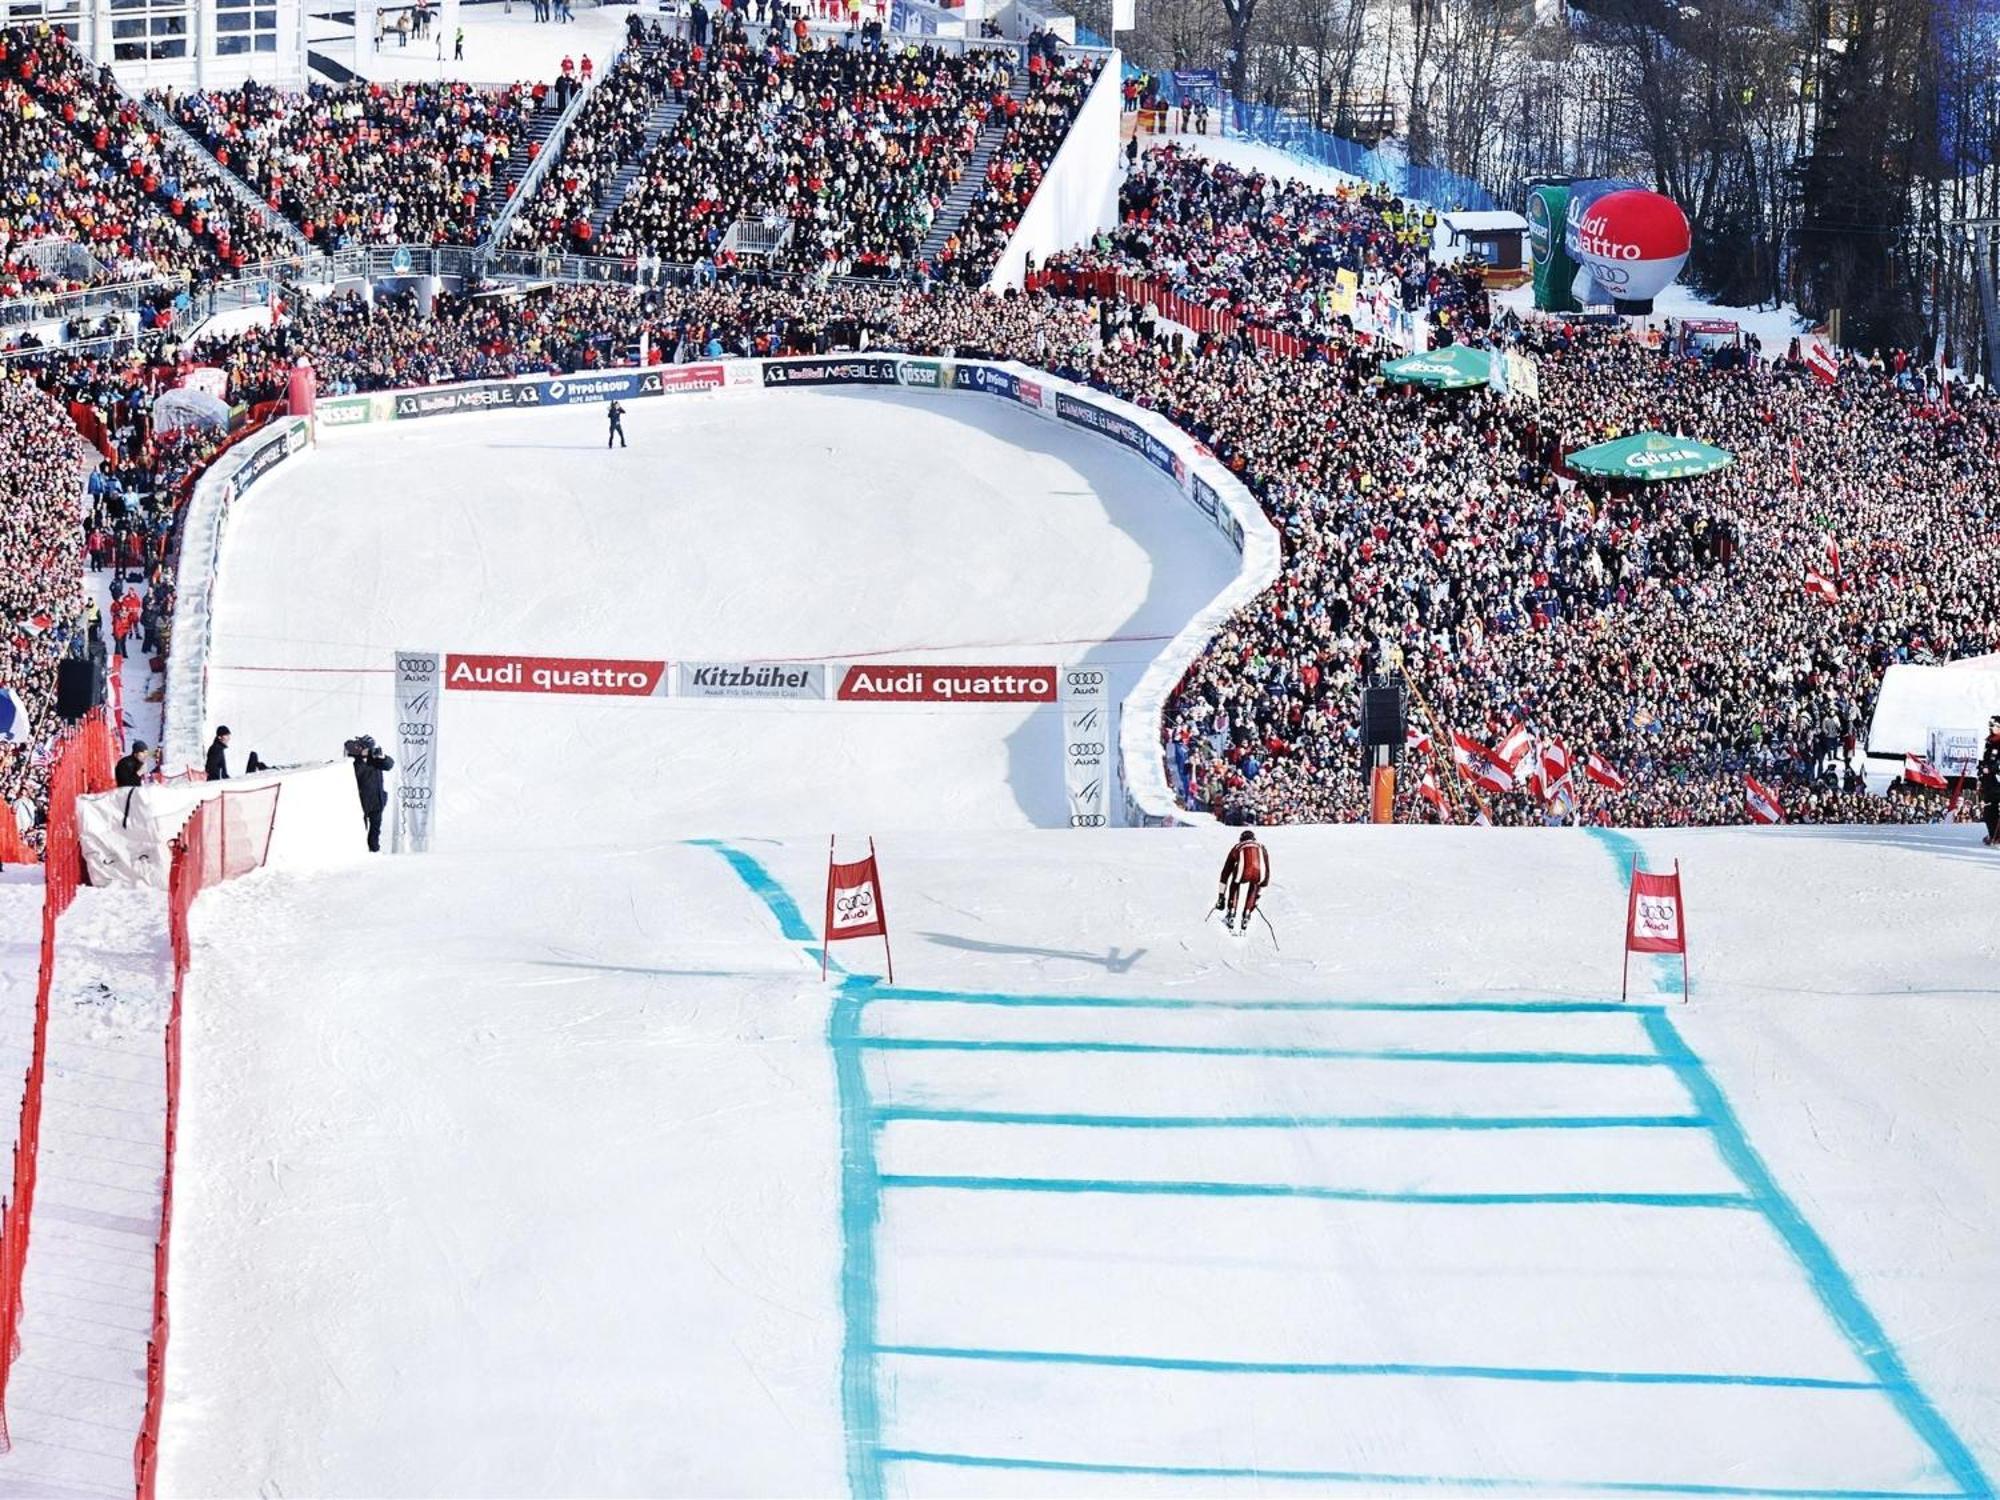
(1245, 873)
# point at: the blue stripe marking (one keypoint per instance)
(1137, 1002)
(889, 1112)
(860, 1211)
(791, 922)
(1830, 1283)
(1670, 972)
(1338, 1054)
(1346, 1476)
(1444, 1372)
(1134, 1187)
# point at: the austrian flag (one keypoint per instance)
(1517, 744)
(1555, 765)
(1918, 769)
(1598, 769)
(1480, 766)
(1819, 584)
(1760, 802)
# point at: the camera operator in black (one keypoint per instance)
(369, 764)
(1989, 781)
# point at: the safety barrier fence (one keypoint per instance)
(1200, 316)
(83, 763)
(228, 836)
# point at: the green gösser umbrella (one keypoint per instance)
(1451, 368)
(1649, 456)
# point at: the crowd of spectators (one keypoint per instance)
(80, 163)
(368, 162)
(1664, 628)
(853, 148)
(41, 576)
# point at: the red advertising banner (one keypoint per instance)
(1654, 920)
(687, 377)
(600, 676)
(891, 683)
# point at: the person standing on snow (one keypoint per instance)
(1245, 873)
(370, 761)
(617, 414)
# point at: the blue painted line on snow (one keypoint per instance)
(890, 1112)
(1135, 1187)
(1348, 1476)
(1139, 1002)
(763, 885)
(1836, 1292)
(860, 1211)
(1310, 1054)
(1442, 1372)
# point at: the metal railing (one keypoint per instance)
(551, 148)
(764, 238)
(90, 302)
(245, 195)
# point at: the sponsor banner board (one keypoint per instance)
(924, 374)
(857, 369)
(268, 454)
(344, 411)
(987, 378)
(891, 682)
(740, 679)
(599, 676)
(1122, 430)
(491, 396)
(1088, 742)
(417, 693)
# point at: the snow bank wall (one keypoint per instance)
(1079, 193)
(202, 535)
(128, 834)
(1183, 464)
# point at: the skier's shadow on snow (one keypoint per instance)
(1111, 962)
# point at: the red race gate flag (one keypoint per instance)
(854, 906)
(1653, 921)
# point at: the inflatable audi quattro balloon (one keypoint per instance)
(1629, 242)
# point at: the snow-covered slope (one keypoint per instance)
(521, 1174)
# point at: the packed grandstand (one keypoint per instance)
(1677, 638)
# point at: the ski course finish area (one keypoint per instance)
(752, 530)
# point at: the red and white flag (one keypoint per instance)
(1555, 765)
(1818, 583)
(1430, 791)
(1761, 802)
(1417, 740)
(1481, 766)
(1596, 768)
(1517, 744)
(1918, 768)
(1821, 361)
(1832, 552)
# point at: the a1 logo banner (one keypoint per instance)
(854, 906)
(1654, 920)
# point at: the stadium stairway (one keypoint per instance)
(540, 129)
(665, 116)
(952, 212)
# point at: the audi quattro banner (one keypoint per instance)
(860, 369)
(1087, 745)
(597, 676)
(739, 679)
(417, 684)
(892, 683)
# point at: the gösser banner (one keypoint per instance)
(1087, 742)
(556, 674)
(417, 674)
(890, 683)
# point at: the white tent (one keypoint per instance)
(1936, 711)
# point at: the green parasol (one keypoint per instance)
(1649, 456)
(1451, 368)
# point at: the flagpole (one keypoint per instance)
(1439, 735)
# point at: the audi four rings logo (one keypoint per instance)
(416, 664)
(1082, 678)
(1086, 747)
(1086, 820)
(855, 905)
(413, 793)
(416, 731)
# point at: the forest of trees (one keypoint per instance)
(1828, 152)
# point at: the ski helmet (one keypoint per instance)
(1246, 836)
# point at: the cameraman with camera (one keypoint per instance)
(1989, 781)
(369, 763)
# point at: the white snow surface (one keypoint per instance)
(522, 1172)
(884, 528)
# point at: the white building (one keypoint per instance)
(181, 43)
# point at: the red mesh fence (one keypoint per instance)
(83, 763)
(1202, 317)
(228, 836)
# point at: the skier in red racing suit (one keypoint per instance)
(1245, 873)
